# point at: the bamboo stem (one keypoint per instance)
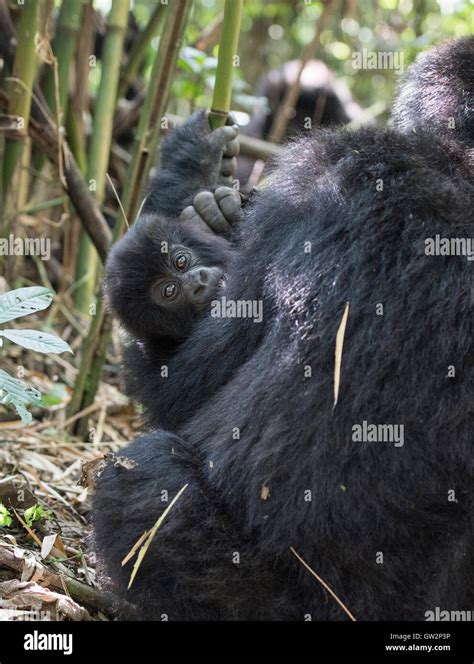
(139, 49)
(227, 50)
(144, 151)
(45, 136)
(57, 81)
(63, 48)
(19, 87)
(98, 156)
(148, 131)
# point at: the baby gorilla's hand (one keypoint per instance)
(217, 211)
(213, 151)
(228, 168)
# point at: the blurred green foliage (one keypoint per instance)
(276, 31)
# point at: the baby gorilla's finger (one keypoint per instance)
(232, 149)
(191, 215)
(206, 205)
(228, 167)
(220, 138)
(229, 202)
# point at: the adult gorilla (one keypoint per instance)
(268, 459)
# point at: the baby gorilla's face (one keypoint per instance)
(185, 280)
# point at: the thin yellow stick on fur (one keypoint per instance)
(323, 583)
(144, 549)
(339, 343)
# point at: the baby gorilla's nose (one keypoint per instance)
(202, 282)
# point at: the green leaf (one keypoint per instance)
(56, 395)
(24, 301)
(42, 342)
(5, 517)
(19, 394)
(35, 513)
(185, 65)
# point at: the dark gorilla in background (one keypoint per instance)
(322, 99)
(250, 426)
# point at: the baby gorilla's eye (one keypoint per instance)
(181, 261)
(169, 291)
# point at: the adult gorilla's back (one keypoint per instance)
(270, 462)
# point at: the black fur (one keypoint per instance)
(437, 95)
(246, 494)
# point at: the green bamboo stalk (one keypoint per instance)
(79, 99)
(156, 101)
(227, 50)
(64, 45)
(44, 205)
(76, 140)
(20, 85)
(139, 49)
(101, 140)
(147, 134)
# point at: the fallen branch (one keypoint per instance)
(45, 136)
(31, 569)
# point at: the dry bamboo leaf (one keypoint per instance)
(21, 595)
(323, 583)
(53, 545)
(91, 470)
(41, 462)
(265, 492)
(30, 532)
(135, 547)
(144, 549)
(338, 356)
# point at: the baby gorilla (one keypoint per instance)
(166, 270)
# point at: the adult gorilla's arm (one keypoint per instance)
(198, 565)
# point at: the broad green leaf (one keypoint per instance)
(5, 517)
(24, 301)
(19, 394)
(35, 513)
(42, 342)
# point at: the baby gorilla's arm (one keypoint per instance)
(193, 159)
